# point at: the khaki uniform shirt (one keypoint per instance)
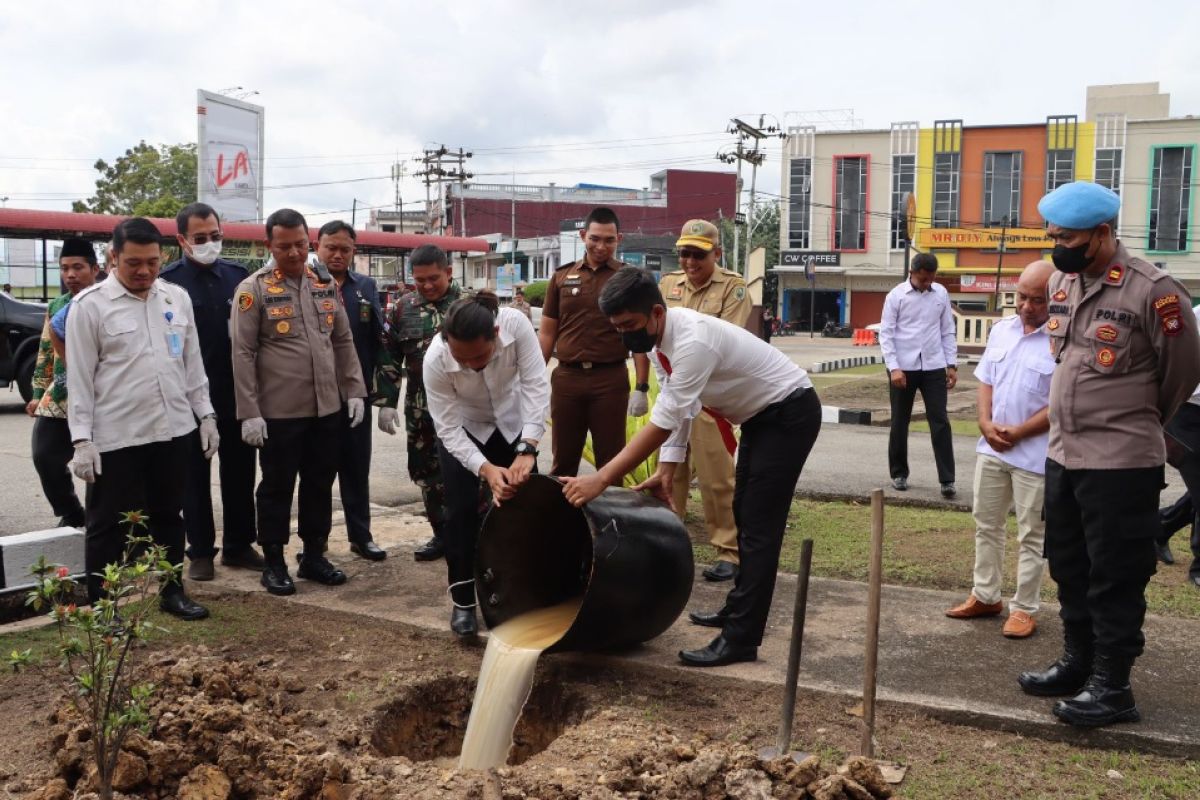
(584, 333)
(723, 297)
(293, 355)
(1128, 355)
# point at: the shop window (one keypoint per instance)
(1170, 198)
(851, 174)
(1002, 189)
(799, 203)
(904, 181)
(946, 178)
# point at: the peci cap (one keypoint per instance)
(78, 248)
(699, 233)
(1079, 206)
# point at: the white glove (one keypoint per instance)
(354, 406)
(210, 440)
(639, 404)
(254, 431)
(387, 420)
(86, 461)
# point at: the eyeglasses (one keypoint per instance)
(694, 255)
(204, 238)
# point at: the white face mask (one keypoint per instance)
(206, 253)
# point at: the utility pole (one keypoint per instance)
(745, 133)
(398, 172)
(1000, 258)
(434, 171)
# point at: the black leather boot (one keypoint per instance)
(275, 576)
(1066, 676)
(315, 567)
(1106, 698)
(462, 616)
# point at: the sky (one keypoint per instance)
(600, 92)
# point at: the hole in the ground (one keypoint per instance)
(429, 720)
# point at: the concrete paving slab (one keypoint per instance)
(961, 671)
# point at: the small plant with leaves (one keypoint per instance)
(97, 644)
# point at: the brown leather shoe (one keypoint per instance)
(973, 608)
(1019, 625)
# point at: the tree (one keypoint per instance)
(765, 234)
(145, 181)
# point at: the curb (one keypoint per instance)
(834, 415)
(845, 363)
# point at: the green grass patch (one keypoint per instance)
(926, 548)
(229, 622)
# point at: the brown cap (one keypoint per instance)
(699, 233)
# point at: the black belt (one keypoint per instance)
(591, 364)
(795, 394)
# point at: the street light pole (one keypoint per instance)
(1000, 258)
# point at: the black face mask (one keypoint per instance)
(639, 341)
(1072, 260)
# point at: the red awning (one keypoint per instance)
(24, 223)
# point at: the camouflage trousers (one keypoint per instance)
(423, 466)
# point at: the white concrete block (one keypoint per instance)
(18, 553)
(829, 415)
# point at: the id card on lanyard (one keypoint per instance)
(174, 337)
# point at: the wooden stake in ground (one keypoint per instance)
(793, 666)
(874, 593)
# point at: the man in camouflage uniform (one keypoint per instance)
(411, 325)
(52, 449)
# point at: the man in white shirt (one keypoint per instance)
(916, 336)
(134, 381)
(1014, 417)
(488, 396)
(707, 364)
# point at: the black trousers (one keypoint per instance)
(775, 444)
(1184, 428)
(146, 478)
(463, 515)
(1100, 531)
(353, 472)
(931, 383)
(52, 452)
(236, 468)
(306, 448)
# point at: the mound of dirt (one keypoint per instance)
(232, 730)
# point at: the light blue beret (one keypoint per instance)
(1079, 205)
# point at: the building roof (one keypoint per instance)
(23, 223)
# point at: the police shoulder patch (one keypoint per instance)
(1115, 273)
(244, 301)
(1106, 357)
(739, 293)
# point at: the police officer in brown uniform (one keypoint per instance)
(703, 286)
(590, 385)
(294, 364)
(1128, 355)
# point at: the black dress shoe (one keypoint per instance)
(275, 578)
(368, 550)
(948, 490)
(1163, 549)
(178, 604)
(721, 571)
(1063, 678)
(720, 651)
(431, 550)
(246, 558)
(72, 520)
(900, 484)
(318, 568)
(463, 623)
(716, 620)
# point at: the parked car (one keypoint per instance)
(20, 329)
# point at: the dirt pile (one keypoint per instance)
(228, 729)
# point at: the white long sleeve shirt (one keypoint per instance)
(717, 365)
(511, 394)
(917, 329)
(134, 371)
(1018, 366)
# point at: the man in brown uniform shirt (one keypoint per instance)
(590, 386)
(1128, 355)
(703, 286)
(293, 365)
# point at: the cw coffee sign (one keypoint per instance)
(982, 238)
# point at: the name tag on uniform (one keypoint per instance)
(364, 310)
(677, 293)
(276, 300)
(322, 292)
(174, 343)
(572, 280)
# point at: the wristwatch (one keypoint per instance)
(641, 387)
(526, 449)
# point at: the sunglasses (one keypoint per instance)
(694, 255)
